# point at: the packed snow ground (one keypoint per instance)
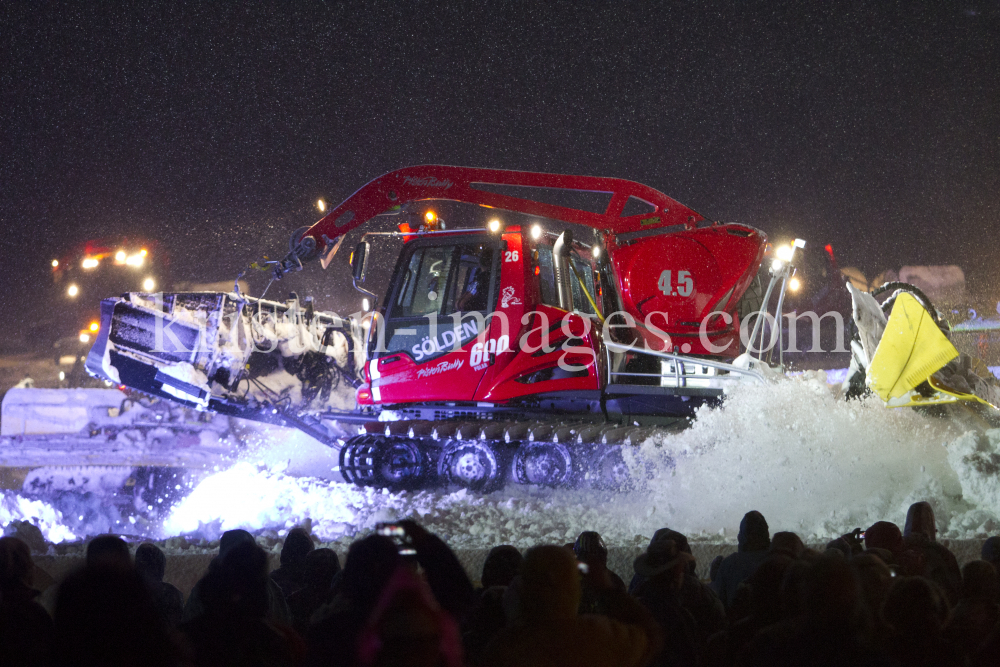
(810, 461)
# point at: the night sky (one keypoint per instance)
(215, 127)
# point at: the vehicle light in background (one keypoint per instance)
(143, 252)
(794, 284)
(536, 232)
(55, 263)
(148, 284)
(321, 205)
(94, 327)
(120, 257)
(135, 260)
(73, 290)
(85, 337)
(494, 225)
(784, 253)
(62, 375)
(90, 262)
(430, 217)
(365, 305)
(596, 251)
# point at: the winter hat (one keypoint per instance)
(231, 538)
(920, 519)
(502, 564)
(661, 556)
(753, 535)
(991, 550)
(589, 545)
(884, 535)
(297, 546)
(550, 583)
(150, 561)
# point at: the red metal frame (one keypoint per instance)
(456, 183)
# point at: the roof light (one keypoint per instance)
(73, 290)
(536, 232)
(430, 217)
(148, 284)
(90, 262)
(94, 326)
(55, 263)
(494, 225)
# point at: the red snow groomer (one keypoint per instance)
(533, 324)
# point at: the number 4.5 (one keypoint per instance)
(685, 283)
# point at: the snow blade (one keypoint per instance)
(912, 348)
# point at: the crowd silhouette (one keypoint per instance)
(882, 596)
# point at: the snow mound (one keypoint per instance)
(47, 518)
(808, 460)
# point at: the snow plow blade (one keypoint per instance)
(279, 363)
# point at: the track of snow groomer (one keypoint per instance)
(811, 462)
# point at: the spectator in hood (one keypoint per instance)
(754, 540)
(26, 632)
(290, 576)
(233, 629)
(977, 612)
(940, 565)
(915, 612)
(277, 606)
(788, 544)
(547, 629)
(108, 550)
(105, 615)
(408, 628)
(321, 566)
(664, 567)
(697, 598)
(502, 564)
(151, 564)
(991, 551)
(371, 563)
(597, 580)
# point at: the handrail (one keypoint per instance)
(680, 359)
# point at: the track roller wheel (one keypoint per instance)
(471, 464)
(608, 469)
(358, 458)
(400, 464)
(543, 463)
